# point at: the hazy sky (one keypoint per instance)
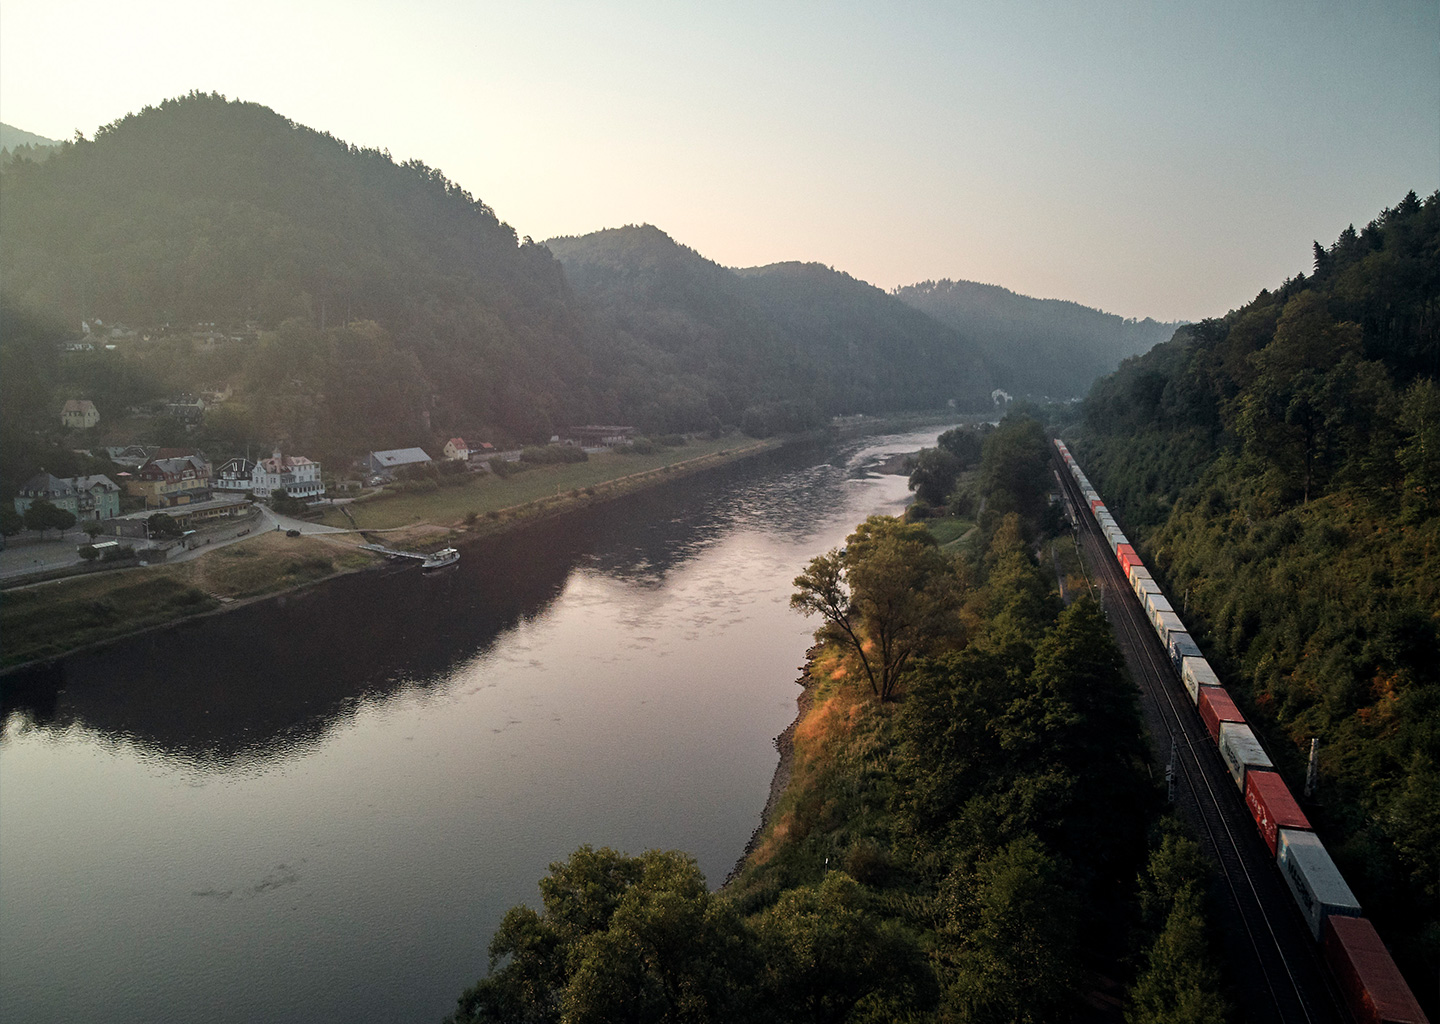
(1152, 159)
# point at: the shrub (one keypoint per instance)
(89, 552)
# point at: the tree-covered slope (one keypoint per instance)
(1281, 466)
(779, 335)
(203, 210)
(1044, 348)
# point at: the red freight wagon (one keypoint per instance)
(1216, 707)
(1127, 556)
(1272, 806)
(1373, 987)
(1095, 505)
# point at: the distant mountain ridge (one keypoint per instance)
(10, 137)
(849, 346)
(1040, 347)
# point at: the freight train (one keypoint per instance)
(1372, 985)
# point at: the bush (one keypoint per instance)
(89, 552)
(672, 440)
(117, 554)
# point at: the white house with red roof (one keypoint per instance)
(457, 448)
(296, 475)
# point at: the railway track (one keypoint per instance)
(1272, 956)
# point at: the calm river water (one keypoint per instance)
(318, 808)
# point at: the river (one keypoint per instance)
(317, 808)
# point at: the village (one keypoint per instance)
(165, 503)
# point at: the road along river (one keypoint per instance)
(318, 808)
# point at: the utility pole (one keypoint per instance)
(1312, 775)
(1170, 771)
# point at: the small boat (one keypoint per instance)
(440, 559)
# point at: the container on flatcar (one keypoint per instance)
(1167, 623)
(1272, 806)
(1217, 707)
(1374, 989)
(1127, 557)
(1096, 505)
(1144, 588)
(1195, 673)
(1182, 646)
(1157, 603)
(1138, 572)
(1117, 539)
(1315, 882)
(1241, 751)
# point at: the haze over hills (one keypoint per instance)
(380, 304)
(851, 347)
(1039, 347)
(11, 137)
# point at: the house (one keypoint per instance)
(457, 448)
(79, 413)
(132, 455)
(296, 475)
(186, 408)
(234, 476)
(87, 498)
(166, 482)
(482, 453)
(386, 463)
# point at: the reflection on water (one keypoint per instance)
(318, 807)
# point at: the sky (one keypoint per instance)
(1150, 159)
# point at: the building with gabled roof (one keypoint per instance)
(166, 482)
(296, 475)
(85, 497)
(387, 462)
(79, 413)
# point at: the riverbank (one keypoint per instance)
(49, 620)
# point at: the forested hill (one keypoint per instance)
(805, 339)
(32, 145)
(1281, 466)
(1041, 348)
(203, 210)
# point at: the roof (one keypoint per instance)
(170, 467)
(284, 462)
(458, 442)
(89, 483)
(44, 484)
(400, 457)
(78, 405)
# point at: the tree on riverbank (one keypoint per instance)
(886, 597)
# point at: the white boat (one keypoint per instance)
(440, 559)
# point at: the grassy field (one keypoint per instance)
(53, 618)
(484, 493)
(951, 531)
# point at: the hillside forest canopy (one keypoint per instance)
(1280, 469)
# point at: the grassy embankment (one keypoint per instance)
(499, 503)
(54, 618)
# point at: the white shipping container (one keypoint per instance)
(1316, 884)
(1156, 603)
(1167, 623)
(1195, 673)
(1139, 572)
(1143, 590)
(1241, 751)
